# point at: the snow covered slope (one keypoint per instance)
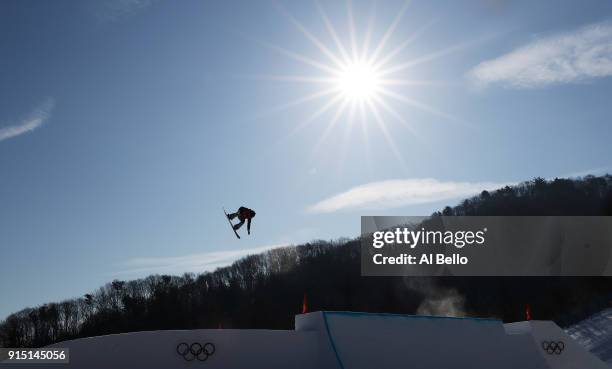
(341, 340)
(363, 341)
(595, 334)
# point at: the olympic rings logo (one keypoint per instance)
(195, 351)
(553, 347)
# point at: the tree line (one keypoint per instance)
(267, 290)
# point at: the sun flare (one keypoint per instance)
(358, 81)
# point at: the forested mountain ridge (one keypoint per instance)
(266, 290)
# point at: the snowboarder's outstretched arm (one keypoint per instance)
(249, 226)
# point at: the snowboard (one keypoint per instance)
(230, 223)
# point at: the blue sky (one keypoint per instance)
(126, 125)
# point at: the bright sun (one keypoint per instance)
(358, 81)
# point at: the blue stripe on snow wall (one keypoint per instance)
(390, 315)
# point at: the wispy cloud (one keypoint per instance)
(562, 58)
(33, 120)
(196, 263)
(399, 193)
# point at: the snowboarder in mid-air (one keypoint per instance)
(242, 214)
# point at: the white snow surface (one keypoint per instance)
(351, 340)
(595, 334)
